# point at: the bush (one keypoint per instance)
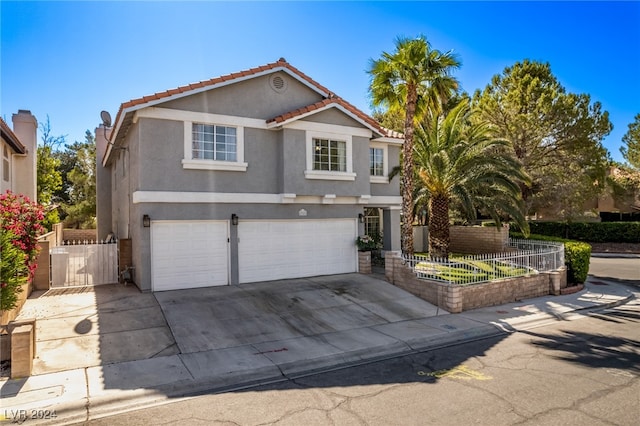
(577, 256)
(592, 232)
(13, 271)
(21, 224)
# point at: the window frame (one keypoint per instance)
(385, 163)
(311, 173)
(6, 163)
(188, 162)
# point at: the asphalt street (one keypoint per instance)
(580, 372)
(623, 269)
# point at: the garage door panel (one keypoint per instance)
(270, 250)
(189, 254)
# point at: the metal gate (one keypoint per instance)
(84, 264)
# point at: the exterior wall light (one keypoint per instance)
(146, 220)
(234, 219)
(360, 218)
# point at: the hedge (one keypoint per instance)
(577, 256)
(592, 232)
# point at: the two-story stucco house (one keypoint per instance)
(258, 175)
(19, 155)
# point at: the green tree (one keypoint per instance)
(412, 79)
(556, 135)
(624, 186)
(460, 161)
(80, 209)
(631, 152)
(49, 179)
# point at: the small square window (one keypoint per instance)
(329, 155)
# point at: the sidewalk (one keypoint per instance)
(80, 394)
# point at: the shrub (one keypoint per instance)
(367, 243)
(593, 232)
(577, 256)
(13, 271)
(21, 224)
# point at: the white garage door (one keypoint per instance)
(188, 254)
(271, 250)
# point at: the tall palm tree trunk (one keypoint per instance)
(407, 172)
(439, 226)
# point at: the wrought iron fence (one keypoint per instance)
(523, 257)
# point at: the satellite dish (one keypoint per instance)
(106, 118)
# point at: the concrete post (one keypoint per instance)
(554, 283)
(22, 351)
(389, 259)
(364, 262)
(41, 279)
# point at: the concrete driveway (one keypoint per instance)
(257, 314)
(80, 327)
(269, 322)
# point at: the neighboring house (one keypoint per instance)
(604, 208)
(258, 175)
(19, 154)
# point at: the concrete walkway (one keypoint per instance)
(323, 341)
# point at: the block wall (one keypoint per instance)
(478, 239)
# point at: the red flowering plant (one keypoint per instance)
(21, 223)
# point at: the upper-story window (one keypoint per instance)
(329, 155)
(6, 164)
(211, 142)
(378, 163)
(214, 147)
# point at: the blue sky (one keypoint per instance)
(71, 60)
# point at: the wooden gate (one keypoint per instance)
(84, 264)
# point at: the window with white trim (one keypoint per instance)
(211, 142)
(210, 146)
(376, 161)
(329, 156)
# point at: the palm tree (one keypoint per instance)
(412, 79)
(459, 161)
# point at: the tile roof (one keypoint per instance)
(279, 64)
(11, 138)
(337, 101)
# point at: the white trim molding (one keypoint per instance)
(385, 163)
(326, 175)
(310, 173)
(312, 126)
(189, 162)
(386, 200)
(180, 197)
(297, 122)
(198, 117)
(386, 139)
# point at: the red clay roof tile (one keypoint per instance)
(280, 63)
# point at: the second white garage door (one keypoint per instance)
(188, 254)
(271, 250)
